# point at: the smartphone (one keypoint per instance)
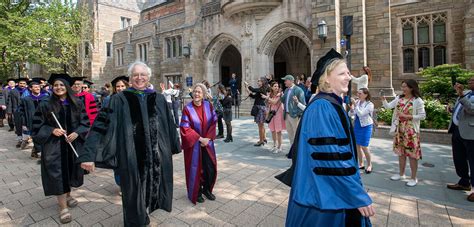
(453, 80)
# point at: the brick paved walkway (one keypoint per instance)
(247, 195)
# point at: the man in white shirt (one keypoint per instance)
(462, 129)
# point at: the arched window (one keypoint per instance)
(439, 32)
(168, 48)
(175, 47)
(180, 46)
(424, 41)
(423, 57)
(423, 33)
(408, 34)
(408, 61)
(439, 55)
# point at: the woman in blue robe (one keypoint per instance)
(326, 189)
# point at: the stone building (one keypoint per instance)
(210, 39)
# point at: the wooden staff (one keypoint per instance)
(70, 144)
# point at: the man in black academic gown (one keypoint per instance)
(14, 97)
(27, 109)
(136, 135)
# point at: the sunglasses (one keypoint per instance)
(85, 87)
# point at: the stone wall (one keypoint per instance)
(454, 31)
(378, 43)
(109, 20)
(469, 37)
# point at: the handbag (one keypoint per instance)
(254, 111)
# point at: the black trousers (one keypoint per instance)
(11, 123)
(208, 171)
(220, 125)
(463, 157)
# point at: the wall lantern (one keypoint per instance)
(322, 30)
(187, 50)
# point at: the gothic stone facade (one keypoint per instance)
(253, 38)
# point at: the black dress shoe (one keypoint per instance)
(458, 187)
(209, 195)
(470, 198)
(200, 199)
(228, 140)
(10, 130)
(219, 136)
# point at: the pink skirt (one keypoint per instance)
(277, 124)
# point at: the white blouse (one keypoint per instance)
(361, 81)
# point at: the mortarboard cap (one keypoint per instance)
(88, 82)
(22, 79)
(76, 78)
(117, 79)
(60, 76)
(39, 79)
(323, 62)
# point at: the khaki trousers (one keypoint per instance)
(291, 126)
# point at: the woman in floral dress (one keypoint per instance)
(409, 111)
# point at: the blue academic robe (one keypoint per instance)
(326, 189)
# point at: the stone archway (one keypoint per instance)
(286, 34)
(292, 57)
(214, 52)
(230, 62)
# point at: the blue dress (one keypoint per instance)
(326, 187)
(362, 134)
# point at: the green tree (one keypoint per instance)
(45, 34)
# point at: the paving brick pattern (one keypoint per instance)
(247, 195)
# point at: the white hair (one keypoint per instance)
(130, 68)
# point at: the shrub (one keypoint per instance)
(385, 116)
(438, 81)
(436, 115)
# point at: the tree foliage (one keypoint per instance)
(44, 34)
(438, 81)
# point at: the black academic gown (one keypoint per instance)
(13, 103)
(27, 109)
(136, 135)
(59, 171)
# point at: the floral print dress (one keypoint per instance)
(407, 140)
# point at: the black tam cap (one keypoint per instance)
(117, 79)
(11, 79)
(323, 62)
(39, 79)
(22, 79)
(89, 83)
(65, 78)
(76, 78)
(34, 82)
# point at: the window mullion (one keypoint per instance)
(431, 35)
(415, 48)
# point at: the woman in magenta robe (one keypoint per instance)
(198, 132)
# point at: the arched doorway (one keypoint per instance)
(292, 57)
(230, 62)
